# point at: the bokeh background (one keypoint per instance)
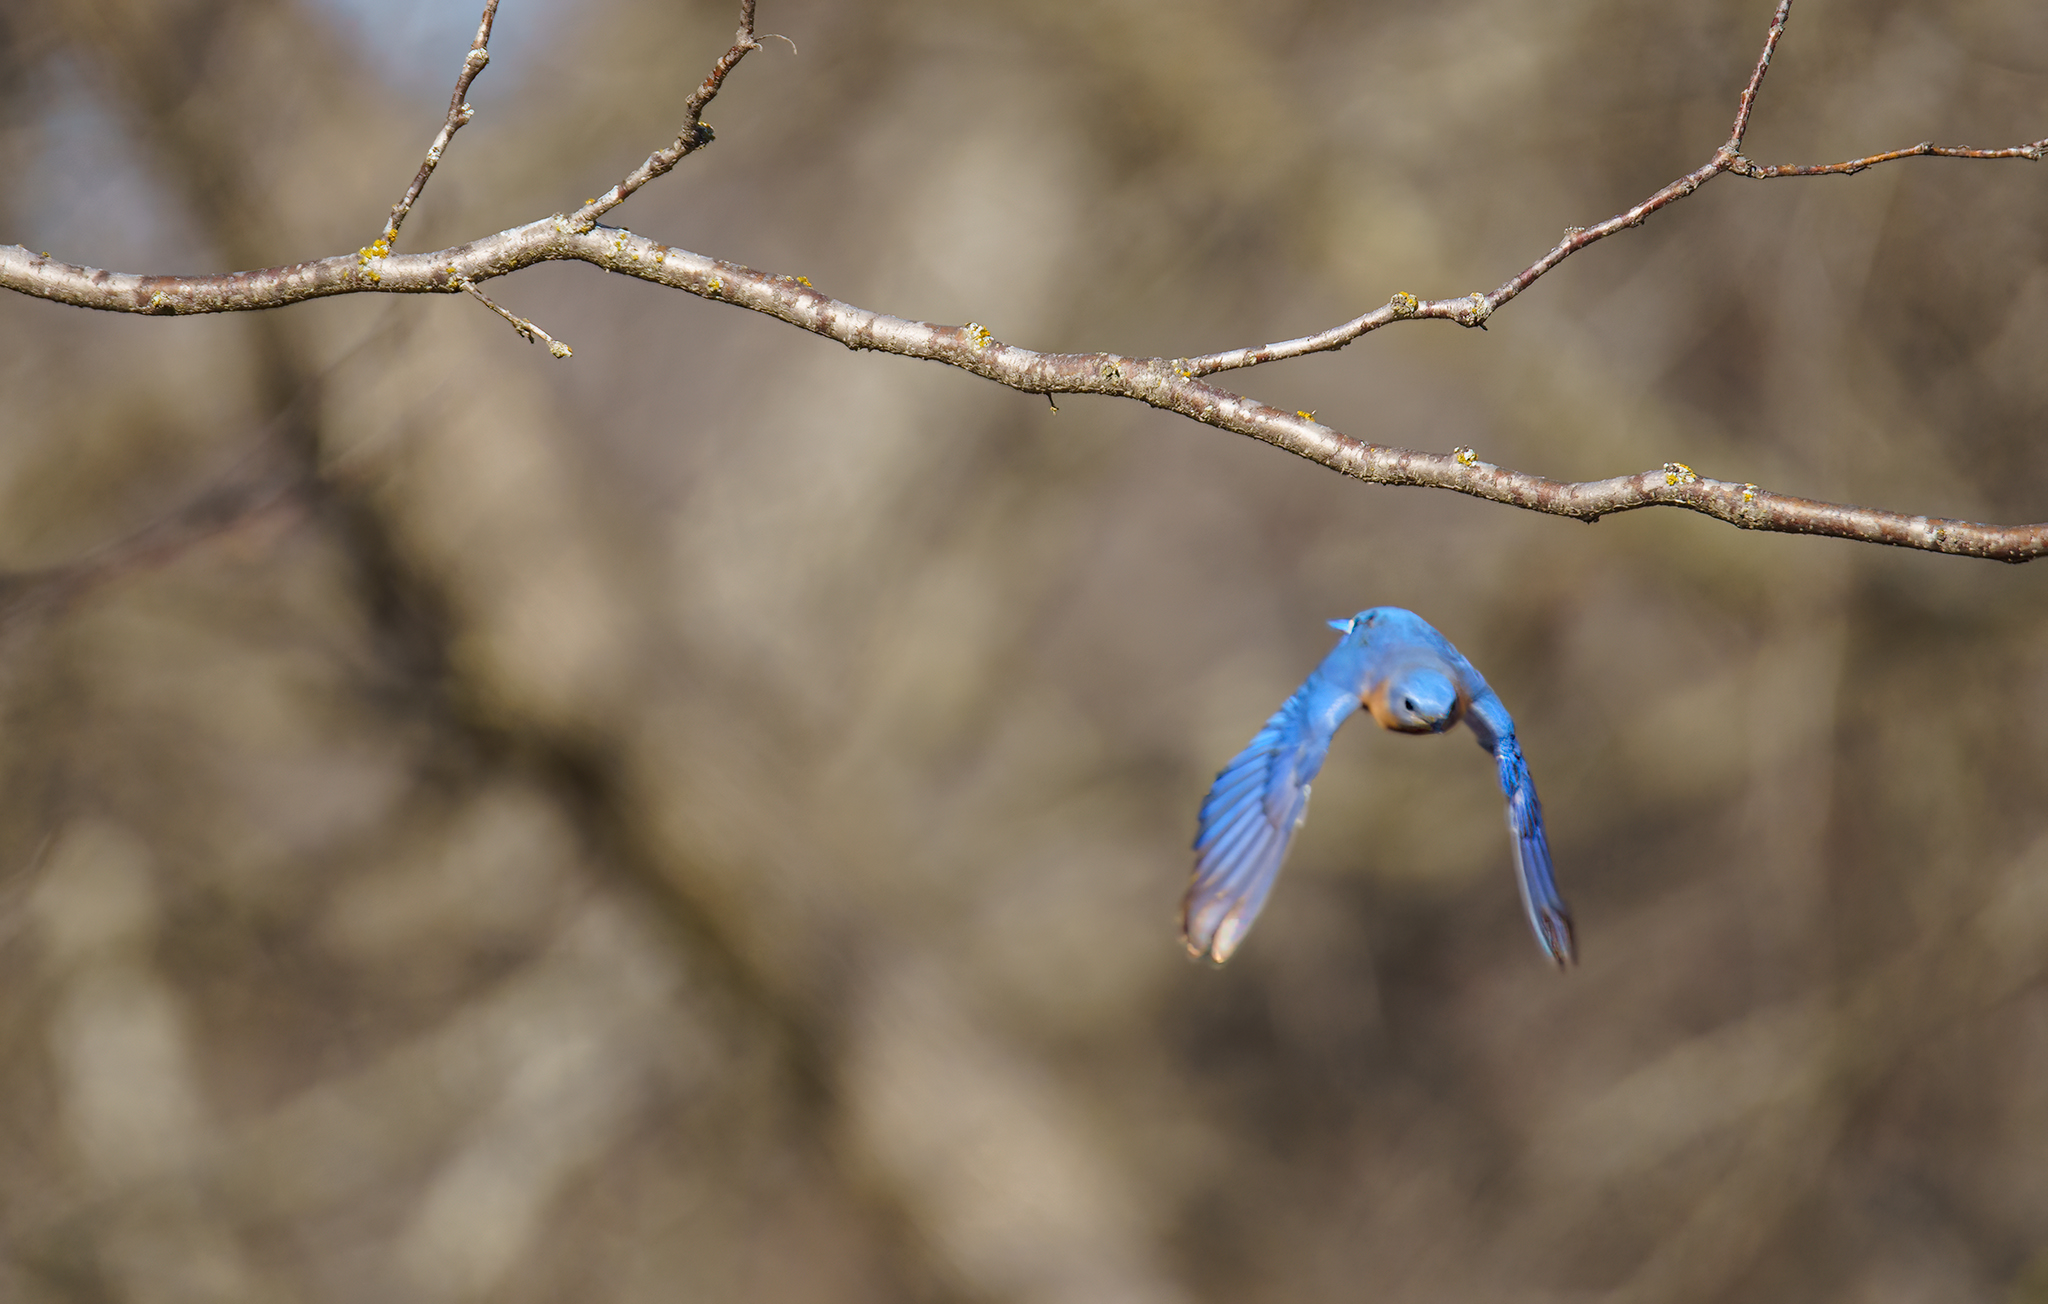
(704, 820)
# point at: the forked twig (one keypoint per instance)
(1476, 308)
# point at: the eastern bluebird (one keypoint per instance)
(1396, 666)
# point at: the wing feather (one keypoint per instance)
(1248, 820)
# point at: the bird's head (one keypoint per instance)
(1419, 699)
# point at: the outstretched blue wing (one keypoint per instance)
(1250, 815)
(1547, 912)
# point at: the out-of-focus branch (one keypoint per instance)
(262, 485)
(459, 114)
(269, 481)
(1175, 385)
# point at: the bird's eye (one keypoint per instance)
(1409, 702)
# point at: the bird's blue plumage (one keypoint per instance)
(1392, 663)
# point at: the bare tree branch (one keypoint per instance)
(693, 135)
(527, 330)
(459, 114)
(1474, 309)
(1171, 384)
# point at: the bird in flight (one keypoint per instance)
(1392, 663)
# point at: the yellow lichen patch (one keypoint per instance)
(1749, 493)
(376, 249)
(1678, 473)
(1305, 414)
(717, 285)
(979, 335)
(805, 281)
(1465, 456)
(1404, 304)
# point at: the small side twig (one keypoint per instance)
(459, 114)
(693, 135)
(527, 330)
(2033, 151)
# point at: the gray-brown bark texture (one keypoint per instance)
(703, 820)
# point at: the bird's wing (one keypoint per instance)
(1548, 914)
(1490, 723)
(1251, 813)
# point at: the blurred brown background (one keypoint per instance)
(703, 821)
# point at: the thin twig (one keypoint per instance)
(459, 114)
(1756, 78)
(693, 135)
(527, 330)
(2033, 151)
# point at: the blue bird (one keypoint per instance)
(1392, 663)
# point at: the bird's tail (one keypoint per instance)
(1548, 914)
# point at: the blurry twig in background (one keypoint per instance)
(14, 896)
(268, 478)
(259, 483)
(1170, 384)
